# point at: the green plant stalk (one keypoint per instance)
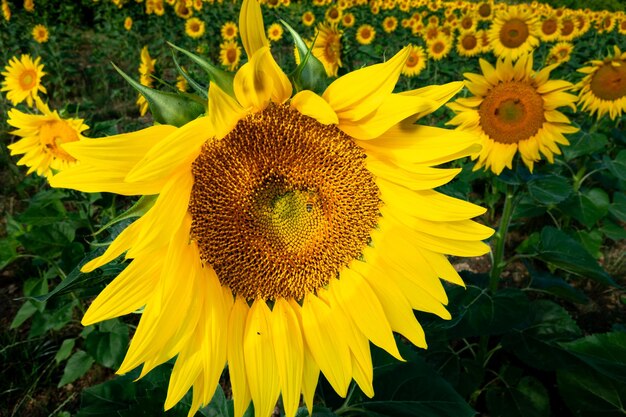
(498, 262)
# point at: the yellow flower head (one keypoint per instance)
(146, 69)
(561, 52)
(514, 32)
(40, 34)
(348, 20)
(6, 10)
(603, 89)
(194, 27)
(22, 79)
(229, 31)
(308, 18)
(128, 23)
(42, 138)
(327, 48)
(439, 47)
(290, 230)
(416, 62)
(390, 23)
(275, 32)
(230, 54)
(29, 5)
(514, 109)
(365, 34)
(468, 43)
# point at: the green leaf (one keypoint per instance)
(555, 285)
(45, 208)
(618, 165)
(536, 342)
(108, 344)
(25, 312)
(592, 241)
(310, 73)
(176, 109)
(223, 79)
(65, 350)
(318, 411)
(618, 208)
(587, 207)
(528, 398)
(528, 207)
(584, 143)
(549, 190)
(613, 231)
(8, 251)
(588, 393)
(218, 407)
(52, 319)
(559, 249)
(199, 89)
(77, 365)
(606, 353)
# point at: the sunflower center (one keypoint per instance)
(511, 112)
(567, 27)
(549, 26)
(484, 10)
(469, 42)
(28, 79)
(438, 47)
(609, 81)
(55, 133)
(514, 33)
(467, 23)
(412, 60)
(281, 204)
(231, 55)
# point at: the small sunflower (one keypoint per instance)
(415, 63)
(308, 18)
(514, 32)
(146, 69)
(229, 31)
(468, 43)
(42, 136)
(333, 14)
(439, 47)
(182, 9)
(559, 53)
(514, 109)
(621, 26)
(40, 34)
(6, 10)
(468, 21)
(22, 79)
(290, 230)
(485, 10)
(327, 48)
(194, 27)
(29, 5)
(128, 23)
(348, 20)
(275, 32)
(230, 54)
(603, 89)
(365, 34)
(550, 28)
(390, 23)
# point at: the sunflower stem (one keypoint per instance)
(498, 262)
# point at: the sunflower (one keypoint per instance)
(606, 23)
(229, 31)
(29, 5)
(348, 20)
(603, 89)
(514, 110)
(230, 54)
(146, 69)
(333, 14)
(42, 136)
(485, 10)
(468, 21)
(6, 10)
(365, 34)
(40, 34)
(22, 79)
(621, 26)
(182, 9)
(559, 53)
(513, 32)
(128, 23)
(308, 18)
(415, 63)
(550, 28)
(327, 48)
(468, 43)
(439, 47)
(390, 23)
(275, 32)
(194, 27)
(575, 25)
(288, 232)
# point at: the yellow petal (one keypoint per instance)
(416, 177)
(120, 245)
(312, 105)
(185, 371)
(251, 27)
(224, 111)
(236, 364)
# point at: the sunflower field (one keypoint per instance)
(355, 208)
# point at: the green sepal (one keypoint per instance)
(176, 109)
(201, 90)
(223, 79)
(138, 209)
(310, 74)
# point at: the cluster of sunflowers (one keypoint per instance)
(290, 212)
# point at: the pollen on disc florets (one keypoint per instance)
(281, 204)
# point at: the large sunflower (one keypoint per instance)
(514, 32)
(603, 89)
(513, 110)
(289, 230)
(42, 136)
(22, 79)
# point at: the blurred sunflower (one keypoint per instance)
(230, 54)
(415, 63)
(194, 27)
(42, 136)
(128, 23)
(288, 232)
(40, 34)
(513, 32)
(6, 10)
(514, 110)
(621, 26)
(390, 23)
(308, 18)
(485, 10)
(333, 14)
(22, 79)
(439, 47)
(229, 31)
(182, 9)
(468, 21)
(365, 34)
(468, 43)
(348, 20)
(574, 25)
(275, 32)
(603, 89)
(327, 48)
(29, 5)
(550, 28)
(146, 69)
(559, 53)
